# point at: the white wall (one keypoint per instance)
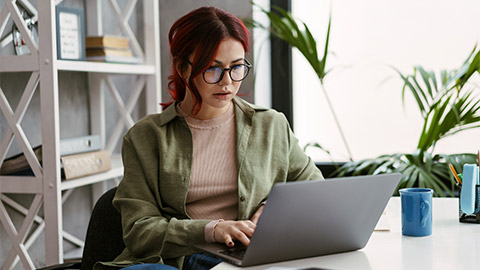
(262, 51)
(366, 37)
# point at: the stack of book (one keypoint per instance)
(109, 49)
(80, 156)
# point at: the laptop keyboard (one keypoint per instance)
(236, 252)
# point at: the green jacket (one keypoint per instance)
(157, 157)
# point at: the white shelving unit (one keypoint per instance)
(46, 184)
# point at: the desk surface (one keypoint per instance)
(452, 245)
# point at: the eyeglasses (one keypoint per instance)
(237, 73)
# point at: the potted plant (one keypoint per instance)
(445, 101)
(447, 105)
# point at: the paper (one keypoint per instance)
(69, 36)
(383, 224)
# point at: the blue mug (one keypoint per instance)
(416, 211)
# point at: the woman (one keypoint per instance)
(201, 170)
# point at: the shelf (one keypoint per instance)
(116, 171)
(143, 82)
(20, 184)
(101, 67)
(18, 63)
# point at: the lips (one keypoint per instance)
(222, 93)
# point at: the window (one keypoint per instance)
(367, 37)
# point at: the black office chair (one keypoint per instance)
(103, 241)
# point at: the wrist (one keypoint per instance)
(210, 230)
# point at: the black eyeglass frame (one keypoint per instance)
(247, 64)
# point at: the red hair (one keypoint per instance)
(199, 34)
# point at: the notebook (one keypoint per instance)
(313, 218)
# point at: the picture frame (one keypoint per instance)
(70, 29)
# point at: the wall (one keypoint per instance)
(74, 114)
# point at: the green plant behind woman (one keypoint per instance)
(297, 34)
(448, 106)
(445, 100)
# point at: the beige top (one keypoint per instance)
(213, 190)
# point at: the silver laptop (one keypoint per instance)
(313, 218)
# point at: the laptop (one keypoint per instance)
(312, 218)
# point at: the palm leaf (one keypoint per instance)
(469, 68)
(426, 80)
(419, 91)
(434, 80)
(413, 177)
(293, 31)
(462, 114)
(418, 169)
(432, 133)
(285, 27)
(323, 62)
(411, 87)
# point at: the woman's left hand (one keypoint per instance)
(257, 214)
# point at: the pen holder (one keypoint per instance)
(470, 218)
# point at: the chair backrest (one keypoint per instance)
(104, 240)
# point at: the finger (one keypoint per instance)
(249, 233)
(249, 229)
(229, 241)
(240, 236)
(257, 214)
(255, 218)
(247, 223)
(246, 226)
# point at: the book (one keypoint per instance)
(77, 145)
(115, 59)
(19, 163)
(107, 41)
(108, 52)
(84, 164)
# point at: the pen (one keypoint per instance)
(455, 175)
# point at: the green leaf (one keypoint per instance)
(434, 80)
(407, 84)
(323, 63)
(413, 178)
(285, 27)
(471, 68)
(419, 169)
(418, 91)
(426, 80)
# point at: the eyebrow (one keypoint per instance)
(220, 62)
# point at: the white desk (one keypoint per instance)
(452, 245)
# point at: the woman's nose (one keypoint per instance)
(226, 80)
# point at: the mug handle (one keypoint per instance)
(425, 213)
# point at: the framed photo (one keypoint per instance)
(70, 33)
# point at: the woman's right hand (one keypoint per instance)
(229, 231)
